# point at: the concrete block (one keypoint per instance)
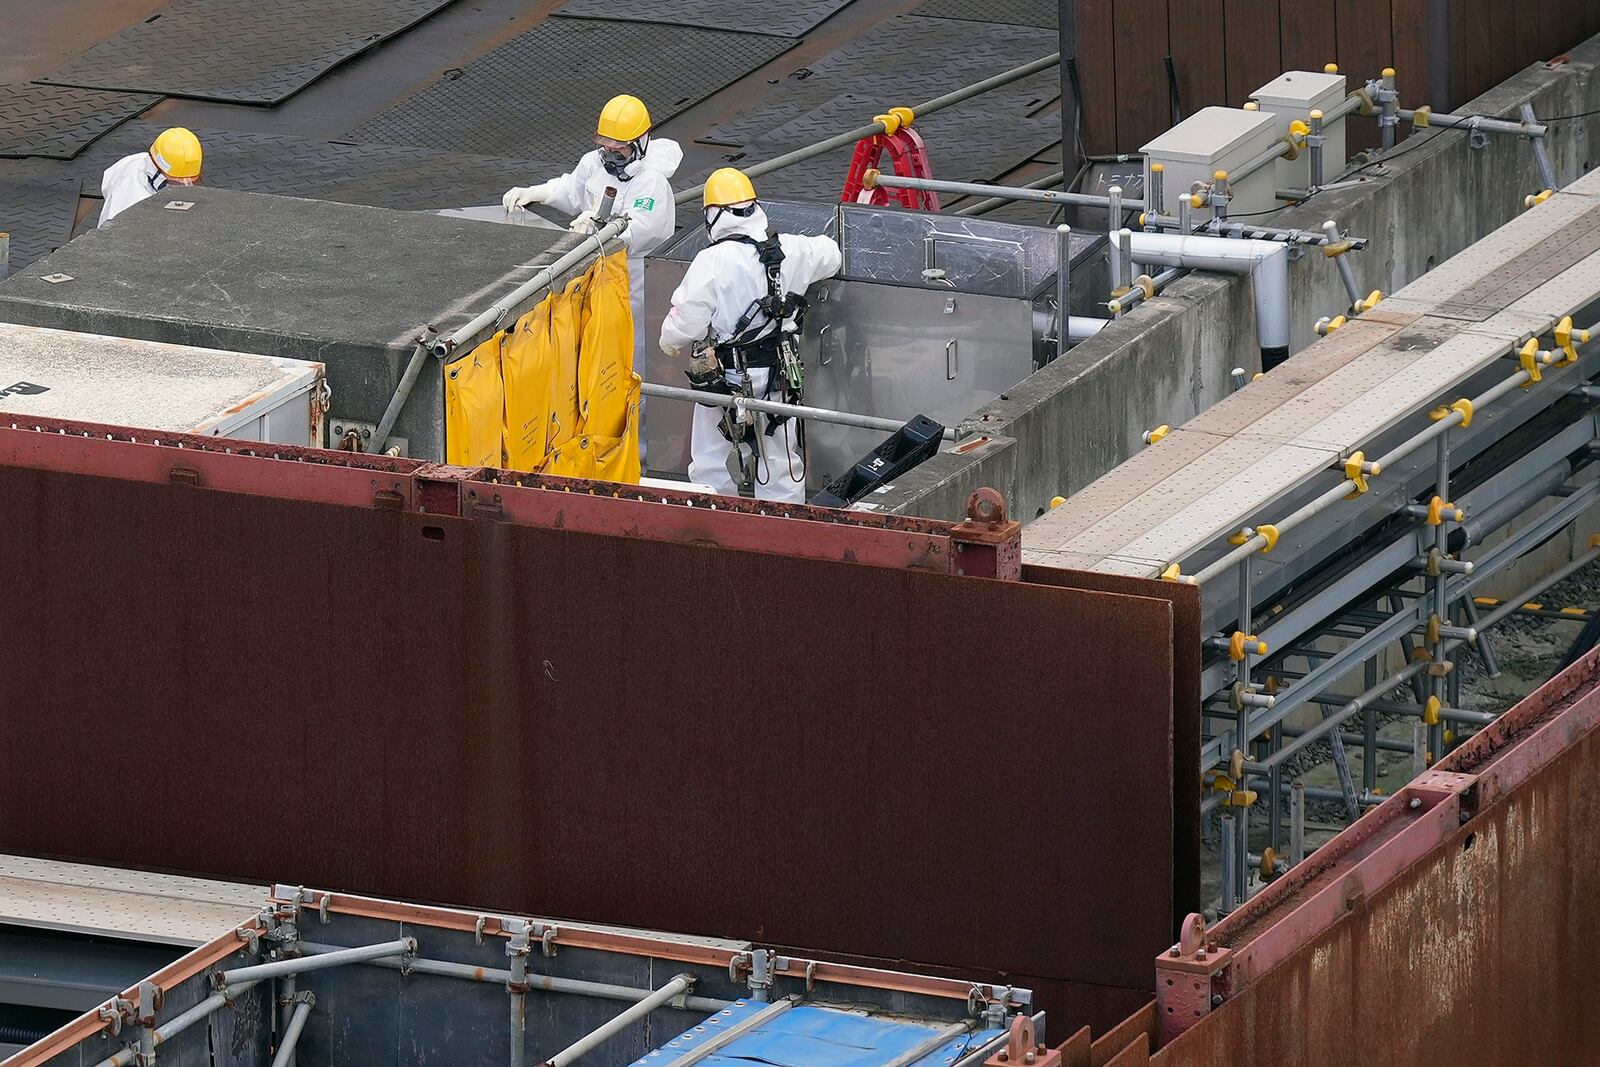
(339, 284)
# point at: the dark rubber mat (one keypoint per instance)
(892, 67)
(240, 51)
(1012, 12)
(38, 213)
(793, 18)
(58, 122)
(377, 175)
(538, 94)
(965, 143)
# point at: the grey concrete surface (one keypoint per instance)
(338, 284)
(1168, 360)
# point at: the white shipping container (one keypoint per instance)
(120, 381)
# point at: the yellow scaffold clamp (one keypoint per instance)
(1528, 358)
(1327, 326)
(1421, 117)
(1535, 199)
(1439, 510)
(1269, 863)
(1295, 139)
(1242, 643)
(1357, 470)
(1372, 300)
(1568, 340)
(895, 118)
(1153, 436)
(1430, 711)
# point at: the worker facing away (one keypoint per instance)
(639, 167)
(739, 310)
(173, 159)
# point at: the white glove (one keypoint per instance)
(523, 195)
(671, 350)
(585, 223)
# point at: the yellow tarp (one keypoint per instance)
(563, 398)
(474, 406)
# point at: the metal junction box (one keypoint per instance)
(1294, 95)
(930, 315)
(59, 374)
(1213, 139)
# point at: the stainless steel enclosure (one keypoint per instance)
(931, 315)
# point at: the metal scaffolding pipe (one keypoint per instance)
(1472, 122)
(1003, 192)
(619, 1023)
(178, 1024)
(983, 207)
(922, 110)
(735, 1032)
(773, 407)
(291, 1033)
(405, 946)
(500, 976)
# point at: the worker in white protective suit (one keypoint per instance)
(739, 308)
(174, 159)
(639, 167)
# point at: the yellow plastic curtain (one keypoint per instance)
(568, 400)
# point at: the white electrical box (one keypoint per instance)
(1213, 139)
(1295, 95)
(118, 381)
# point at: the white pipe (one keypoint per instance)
(1267, 263)
(1083, 327)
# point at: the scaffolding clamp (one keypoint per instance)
(1430, 711)
(1421, 117)
(1373, 299)
(1464, 408)
(1326, 326)
(1155, 435)
(1568, 340)
(895, 118)
(1357, 470)
(1528, 358)
(1439, 509)
(1242, 643)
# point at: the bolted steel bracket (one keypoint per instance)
(114, 1012)
(1023, 1047)
(988, 544)
(1191, 979)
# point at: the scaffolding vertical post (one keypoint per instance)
(1419, 748)
(1389, 98)
(1155, 200)
(1230, 900)
(1314, 142)
(1063, 285)
(286, 1001)
(1297, 823)
(1241, 857)
(1114, 251)
(1369, 726)
(517, 949)
(1275, 791)
(1441, 599)
(1125, 254)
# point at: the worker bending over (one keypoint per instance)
(174, 158)
(740, 305)
(639, 167)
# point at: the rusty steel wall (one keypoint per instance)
(843, 758)
(1457, 923)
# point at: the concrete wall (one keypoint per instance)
(1169, 360)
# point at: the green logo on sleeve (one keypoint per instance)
(646, 203)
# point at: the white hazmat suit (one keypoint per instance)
(716, 291)
(126, 182)
(644, 195)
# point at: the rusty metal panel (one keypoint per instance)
(1454, 924)
(261, 684)
(1186, 720)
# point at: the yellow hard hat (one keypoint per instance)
(728, 186)
(176, 153)
(624, 118)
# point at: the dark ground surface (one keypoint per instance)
(314, 126)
